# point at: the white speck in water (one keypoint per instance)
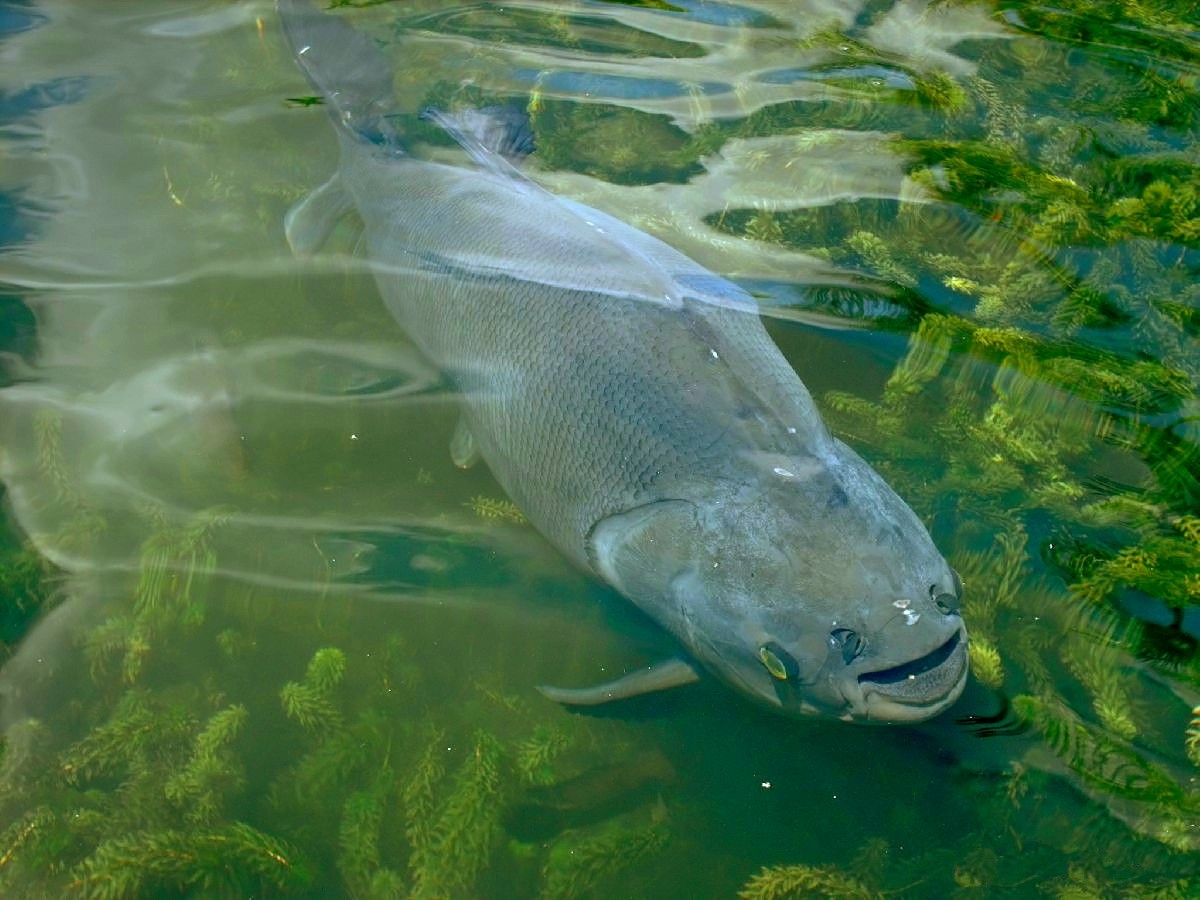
(354, 437)
(766, 785)
(304, 49)
(714, 354)
(784, 473)
(791, 429)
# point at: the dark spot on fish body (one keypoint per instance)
(837, 497)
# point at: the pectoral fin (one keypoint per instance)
(309, 223)
(670, 673)
(463, 451)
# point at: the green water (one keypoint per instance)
(262, 638)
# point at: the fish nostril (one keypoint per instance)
(850, 642)
(947, 604)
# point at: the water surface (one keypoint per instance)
(262, 637)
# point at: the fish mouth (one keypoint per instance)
(921, 687)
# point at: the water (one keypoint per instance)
(264, 638)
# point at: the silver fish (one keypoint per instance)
(634, 407)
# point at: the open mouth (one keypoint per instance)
(924, 679)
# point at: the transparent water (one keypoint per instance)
(262, 637)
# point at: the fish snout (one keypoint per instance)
(920, 687)
(917, 662)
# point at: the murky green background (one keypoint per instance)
(262, 638)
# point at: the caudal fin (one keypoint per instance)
(344, 65)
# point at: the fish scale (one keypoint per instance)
(616, 358)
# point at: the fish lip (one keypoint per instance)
(915, 668)
(879, 703)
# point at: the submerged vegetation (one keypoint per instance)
(1041, 411)
(165, 785)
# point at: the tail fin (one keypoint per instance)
(344, 65)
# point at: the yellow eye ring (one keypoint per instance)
(775, 665)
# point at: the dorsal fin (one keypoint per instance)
(496, 137)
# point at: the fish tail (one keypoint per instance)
(345, 66)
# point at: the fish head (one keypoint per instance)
(817, 592)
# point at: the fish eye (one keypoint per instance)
(779, 662)
(850, 642)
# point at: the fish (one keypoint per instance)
(633, 406)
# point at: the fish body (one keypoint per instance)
(632, 404)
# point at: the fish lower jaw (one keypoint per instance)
(897, 697)
(882, 710)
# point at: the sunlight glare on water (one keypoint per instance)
(262, 636)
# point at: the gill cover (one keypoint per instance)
(665, 556)
(640, 551)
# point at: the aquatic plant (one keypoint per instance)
(460, 836)
(173, 559)
(111, 804)
(779, 882)
(358, 839)
(579, 863)
(1191, 741)
(535, 756)
(418, 800)
(156, 796)
(217, 860)
(212, 772)
(606, 141)
(1042, 416)
(497, 509)
(309, 701)
(84, 522)
(25, 587)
